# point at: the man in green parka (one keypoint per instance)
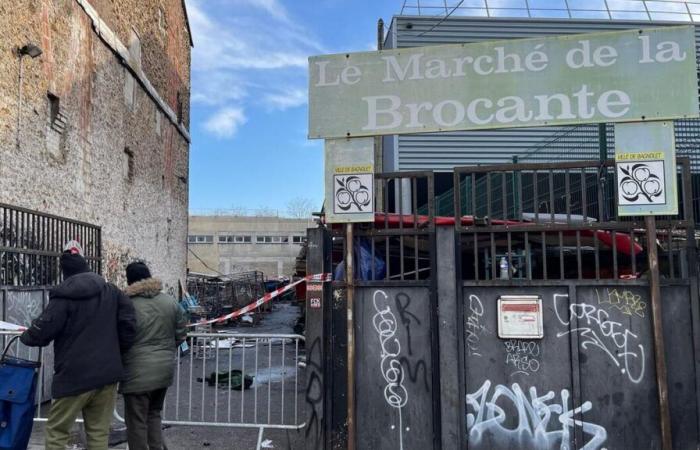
(150, 362)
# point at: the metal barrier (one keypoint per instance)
(206, 389)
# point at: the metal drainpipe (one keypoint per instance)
(19, 97)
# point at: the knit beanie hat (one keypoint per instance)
(137, 271)
(72, 260)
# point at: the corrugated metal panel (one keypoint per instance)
(443, 151)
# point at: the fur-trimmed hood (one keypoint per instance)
(150, 287)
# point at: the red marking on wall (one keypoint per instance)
(519, 308)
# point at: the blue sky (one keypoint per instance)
(249, 95)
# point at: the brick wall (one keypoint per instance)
(110, 156)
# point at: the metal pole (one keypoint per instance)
(350, 294)
(603, 152)
(378, 144)
(659, 353)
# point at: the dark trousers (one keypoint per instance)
(143, 423)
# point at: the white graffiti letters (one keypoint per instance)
(537, 423)
(596, 329)
(384, 322)
(475, 325)
(523, 355)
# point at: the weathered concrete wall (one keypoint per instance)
(78, 165)
(271, 258)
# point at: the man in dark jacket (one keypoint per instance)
(91, 324)
(150, 362)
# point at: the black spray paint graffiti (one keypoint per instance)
(596, 329)
(514, 420)
(413, 370)
(475, 325)
(314, 393)
(523, 356)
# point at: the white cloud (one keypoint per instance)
(246, 52)
(291, 98)
(225, 122)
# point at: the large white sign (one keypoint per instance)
(623, 76)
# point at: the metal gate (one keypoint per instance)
(431, 371)
(591, 381)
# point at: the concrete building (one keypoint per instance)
(232, 244)
(95, 127)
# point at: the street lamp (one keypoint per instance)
(32, 51)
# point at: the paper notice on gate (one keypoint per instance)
(520, 317)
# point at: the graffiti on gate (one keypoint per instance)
(627, 302)
(523, 356)
(314, 393)
(475, 325)
(512, 419)
(595, 329)
(385, 324)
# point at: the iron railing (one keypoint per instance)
(652, 10)
(31, 243)
(204, 394)
(398, 244)
(559, 221)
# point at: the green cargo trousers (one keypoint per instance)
(97, 407)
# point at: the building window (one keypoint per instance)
(298, 239)
(272, 239)
(200, 239)
(128, 165)
(233, 239)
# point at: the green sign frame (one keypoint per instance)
(622, 76)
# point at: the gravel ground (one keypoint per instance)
(278, 382)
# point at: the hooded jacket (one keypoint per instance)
(161, 327)
(91, 323)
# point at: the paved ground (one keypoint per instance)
(277, 382)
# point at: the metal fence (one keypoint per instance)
(225, 379)
(397, 246)
(220, 294)
(652, 10)
(31, 244)
(559, 221)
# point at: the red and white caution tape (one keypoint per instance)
(265, 298)
(7, 326)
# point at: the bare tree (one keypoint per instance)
(266, 211)
(300, 208)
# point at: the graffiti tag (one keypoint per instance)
(475, 325)
(522, 355)
(385, 324)
(627, 302)
(515, 420)
(596, 329)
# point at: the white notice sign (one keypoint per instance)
(520, 317)
(349, 180)
(645, 162)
